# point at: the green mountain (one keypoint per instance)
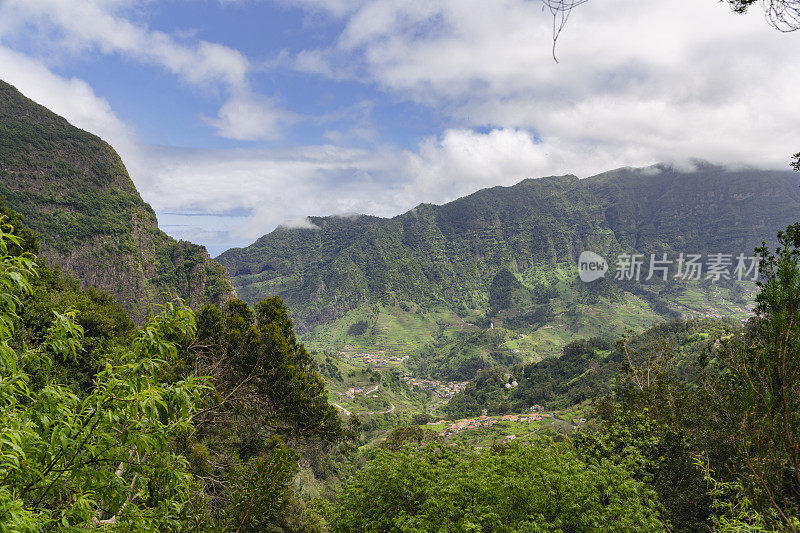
(506, 257)
(72, 188)
(430, 256)
(709, 210)
(590, 368)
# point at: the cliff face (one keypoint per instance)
(73, 189)
(449, 255)
(432, 255)
(710, 209)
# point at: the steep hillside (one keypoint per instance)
(425, 281)
(449, 254)
(430, 256)
(708, 210)
(73, 189)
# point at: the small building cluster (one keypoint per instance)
(376, 360)
(484, 421)
(353, 391)
(444, 389)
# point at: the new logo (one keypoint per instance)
(591, 266)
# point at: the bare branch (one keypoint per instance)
(560, 9)
(783, 15)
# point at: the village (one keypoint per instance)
(376, 360)
(379, 360)
(485, 421)
(352, 392)
(443, 389)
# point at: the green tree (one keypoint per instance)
(656, 455)
(766, 372)
(414, 435)
(741, 412)
(269, 407)
(69, 462)
(543, 487)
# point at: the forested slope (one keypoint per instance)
(73, 189)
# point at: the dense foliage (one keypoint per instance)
(174, 426)
(738, 415)
(544, 487)
(658, 456)
(268, 397)
(102, 457)
(73, 189)
(219, 421)
(589, 369)
(462, 357)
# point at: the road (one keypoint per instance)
(345, 411)
(382, 412)
(373, 389)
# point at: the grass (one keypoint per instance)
(393, 330)
(405, 329)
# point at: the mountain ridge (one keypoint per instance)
(462, 243)
(447, 255)
(73, 189)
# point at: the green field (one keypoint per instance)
(502, 429)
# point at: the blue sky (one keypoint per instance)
(234, 116)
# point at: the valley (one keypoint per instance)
(450, 335)
(443, 292)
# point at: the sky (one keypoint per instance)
(236, 116)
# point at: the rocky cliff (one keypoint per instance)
(73, 189)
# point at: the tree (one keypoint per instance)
(540, 487)
(767, 372)
(656, 455)
(560, 9)
(783, 15)
(136, 440)
(742, 414)
(71, 462)
(268, 409)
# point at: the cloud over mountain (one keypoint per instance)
(638, 82)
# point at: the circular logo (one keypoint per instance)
(591, 266)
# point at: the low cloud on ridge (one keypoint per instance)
(638, 83)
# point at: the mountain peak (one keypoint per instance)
(73, 189)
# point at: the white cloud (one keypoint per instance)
(102, 24)
(462, 161)
(105, 25)
(71, 98)
(646, 79)
(256, 190)
(245, 117)
(640, 82)
(273, 187)
(299, 223)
